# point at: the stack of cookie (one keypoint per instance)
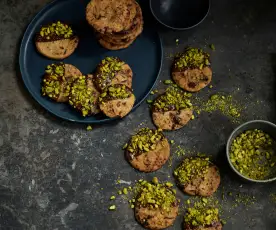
(117, 23)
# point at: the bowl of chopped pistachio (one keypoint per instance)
(251, 151)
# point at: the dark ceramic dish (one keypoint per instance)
(265, 126)
(145, 52)
(180, 14)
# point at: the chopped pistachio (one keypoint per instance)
(190, 168)
(125, 191)
(251, 154)
(172, 141)
(149, 101)
(120, 192)
(125, 146)
(132, 206)
(156, 196)
(107, 71)
(168, 82)
(201, 216)
(115, 92)
(192, 58)
(112, 198)
(172, 99)
(144, 140)
(212, 46)
(56, 31)
(82, 97)
(112, 207)
(155, 180)
(89, 127)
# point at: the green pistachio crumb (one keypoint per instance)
(152, 92)
(112, 207)
(144, 140)
(120, 192)
(112, 198)
(132, 206)
(155, 180)
(149, 101)
(201, 216)
(156, 196)
(172, 141)
(107, 71)
(191, 168)
(89, 128)
(115, 92)
(125, 146)
(82, 96)
(125, 191)
(192, 58)
(212, 46)
(173, 99)
(251, 153)
(168, 82)
(56, 31)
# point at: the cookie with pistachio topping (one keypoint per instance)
(192, 70)
(56, 40)
(116, 100)
(197, 176)
(148, 150)
(202, 218)
(57, 81)
(172, 110)
(113, 71)
(84, 96)
(156, 206)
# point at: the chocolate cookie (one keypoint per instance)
(191, 70)
(116, 100)
(107, 16)
(202, 218)
(56, 41)
(172, 110)
(57, 81)
(112, 71)
(84, 96)
(156, 206)
(148, 150)
(198, 176)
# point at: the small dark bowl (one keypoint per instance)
(180, 14)
(265, 126)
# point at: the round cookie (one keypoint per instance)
(148, 150)
(57, 81)
(191, 70)
(202, 218)
(198, 176)
(127, 35)
(113, 46)
(84, 96)
(56, 41)
(113, 71)
(156, 207)
(116, 100)
(172, 110)
(107, 16)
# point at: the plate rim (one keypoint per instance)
(23, 69)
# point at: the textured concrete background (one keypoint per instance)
(52, 172)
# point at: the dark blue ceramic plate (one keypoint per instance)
(144, 56)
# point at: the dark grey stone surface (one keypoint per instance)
(52, 171)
